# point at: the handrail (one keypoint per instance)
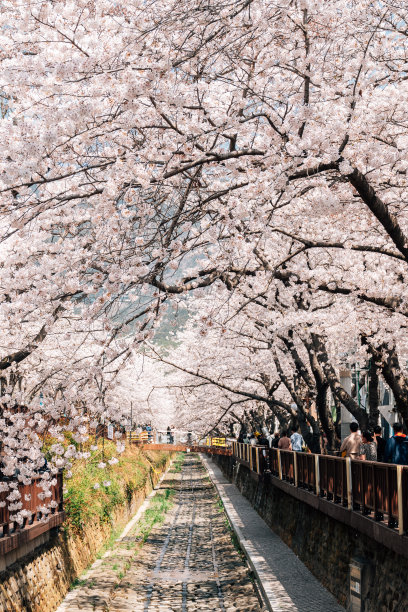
(31, 501)
(369, 487)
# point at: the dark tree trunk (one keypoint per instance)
(345, 398)
(387, 360)
(322, 407)
(325, 417)
(311, 438)
(373, 395)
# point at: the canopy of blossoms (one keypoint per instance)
(253, 153)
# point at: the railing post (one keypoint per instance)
(349, 484)
(279, 464)
(257, 460)
(400, 501)
(250, 458)
(295, 468)
(317, 474)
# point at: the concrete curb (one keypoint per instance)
(252, 555)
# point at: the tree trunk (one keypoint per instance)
(322, 407)
(387, 360)
(345, 398)
(373, 395)
(311, 438)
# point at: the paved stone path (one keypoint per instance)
(287, 583)
(187, 564)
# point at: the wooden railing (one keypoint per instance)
(379, 490)
(12, 534)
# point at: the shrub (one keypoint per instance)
(87, 498)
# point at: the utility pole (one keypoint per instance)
(131, 422)
(357, 379)
(103, 437)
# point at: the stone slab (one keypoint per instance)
(286, 583)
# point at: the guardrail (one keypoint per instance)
(12, 534)
(367, 487)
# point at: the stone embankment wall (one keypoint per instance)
(325, 545)
(39, 582)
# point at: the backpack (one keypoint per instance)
(401, 450)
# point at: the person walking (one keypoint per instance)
(262, 440)
(379, 440)
(275, 440)
(296, 440)
(284, 442)
(396, 448)
(351, 445)
(368, 448)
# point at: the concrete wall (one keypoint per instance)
(40, 581)
(327, 546)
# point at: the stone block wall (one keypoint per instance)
(40, 581)
(325, 545)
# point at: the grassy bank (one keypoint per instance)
(94, 493)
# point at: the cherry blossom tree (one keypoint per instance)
(156, 150)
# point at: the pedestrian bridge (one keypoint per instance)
(187, 448)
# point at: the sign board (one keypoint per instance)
(110, 432)
(355, 586)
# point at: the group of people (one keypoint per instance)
(366, 446)
(145, 432)
(371, 446)
(170, 434)
(286, 440)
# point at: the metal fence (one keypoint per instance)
(378, 490)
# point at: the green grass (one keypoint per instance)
(84, 504)
(233, 536)
(78, 582)
(160, 504)
(155, 514)
(177, 465)
(235, 541)
(113, 536)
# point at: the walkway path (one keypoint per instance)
(286, 582)
(187, 564)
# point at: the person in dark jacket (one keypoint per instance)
(379, 440)
(275, 440)
(396, 449)
(262, 440)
